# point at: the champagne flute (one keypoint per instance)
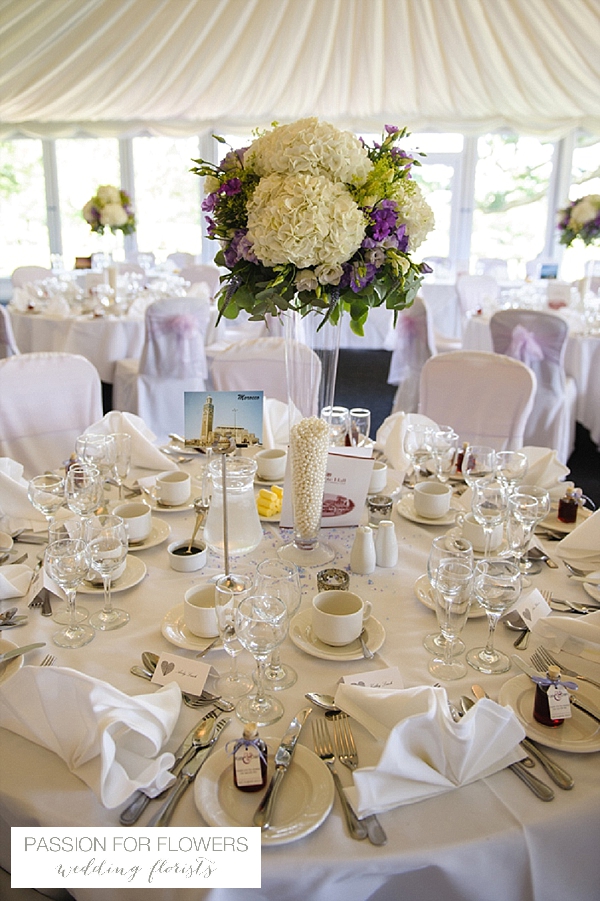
(489, 507)
(497, 587)
(108, 545)
(83, 488)
(67, 562)
(417, 444)
(46, 493)
(280, 580)
(122, 458)
(446, 548)
(360, 425)
(229, 590)
(261, 624)
(452, 601)
(479, 461)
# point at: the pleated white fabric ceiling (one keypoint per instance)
(177, 67)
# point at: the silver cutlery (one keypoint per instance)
(536, 553)
(546, 659)
(345, 748)
(283, 759)
(575, 570)
(324, 750)
(326, 702)
(366, 651)
(193, 701)
(48, 660)
(14, 622)
(17, 652)
(558, 775)
(31, 538)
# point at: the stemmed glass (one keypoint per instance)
(46, 493)
(280, 580)
(489, 507)
(122, 458)
(479, 461)
(446, 548)
(444, 441)
(360, 425)
(417, 444)
(67, 562)
(452, 601)
(497, 587)
(511, 468)
(229, 590)
(99, 450)
(59, 530)
(83, 488)
(108, 545)
(261, 624)
(528, 505)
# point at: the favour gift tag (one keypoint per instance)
(531, 608)
(558, 702)
(381, 678)
(190, 675)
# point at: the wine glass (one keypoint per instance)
(446, 548)
(67, 562)
(99, 450)
(46, 493)
(497, 587)
(261, 624)
(452, 601)
(122, 458)
(280, 580)
(489, 506)
(444, 441)
(83, 488)
(360, 425)
(528, 505)
(511, 468)
(479, 461)
(108, 545)
(59, 530)
(229, 590)
(338, 419)
(417, 444)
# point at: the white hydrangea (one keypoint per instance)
(88, 212)
(305, 220)
(108, 194)
(584, 211)
(414, 212)
(310, 146)
(113, 215)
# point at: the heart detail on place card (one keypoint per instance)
(166, 667)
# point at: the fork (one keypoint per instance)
(48, 660)
(324, 750)
(542, 659)
(345, 748)
(567, 605)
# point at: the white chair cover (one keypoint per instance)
(179, 259)
(493, 267)
(8, 345)
(202, 272)
(538, 340)
(475, 291)
(485, 397)
(415, 343)
(48, 400)
(24, 274)
(173, 361)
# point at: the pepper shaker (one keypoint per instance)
(386, 544)
(362, 555)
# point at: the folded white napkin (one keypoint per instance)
(106, 738)
(575, 635)
(14, 503)
(15, 580)
(545, 470)
(581, 547)
(144, 453)
(425, 751)
(390, 437)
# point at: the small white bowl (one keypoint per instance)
(187, 563)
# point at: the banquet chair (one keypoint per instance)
(173, 361)
(180, 260)
(538, 339)
(474, 291)
(202, 272)
(485, 397)
(48, 400)
(414, 344)
(493, 268)
(8, 344)
(22, 275)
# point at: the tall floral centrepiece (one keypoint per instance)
(110, 208)
(580, 219)
(310, 218)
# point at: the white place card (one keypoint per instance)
(190, 675)
(382, 678)
(532, 607)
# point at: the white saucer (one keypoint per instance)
(156, 507)
(159, 532)
(176, 632)
(302, 636)
(592, 590)
(499, 549)
(579, 734)
(11, 666)
(406, 508)
(303, 802)
(262, 483)
(135, 570)
(423, 592)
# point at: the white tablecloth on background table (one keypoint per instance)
(491, 840)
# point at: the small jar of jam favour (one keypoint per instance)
(250, 760)
(551, 706)
(569, 504)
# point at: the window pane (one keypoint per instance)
(83, 165)
(511, 185)
(585, 180)
(23, 231)
(167, 196)
(435, 180)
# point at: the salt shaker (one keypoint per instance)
(386, 544)
(362, 555)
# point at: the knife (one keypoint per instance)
(31, 538)
(16, 652)
(187, 775)
(140, 801)
(530, 671)
(283, 758)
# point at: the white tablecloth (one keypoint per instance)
(491, 840)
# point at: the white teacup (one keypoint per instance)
(271, 464)
(173, 488)
(378, 478)
(473, 532)
(199, 611)
(338, 616)
(432, 499)
(137, 516)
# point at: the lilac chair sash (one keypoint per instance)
(524, 346)
(174, 346)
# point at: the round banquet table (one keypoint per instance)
(492, 839)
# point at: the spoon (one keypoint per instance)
(8, 614)
(367, 652)
(326, 702)
(201, 508)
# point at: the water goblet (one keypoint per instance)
(122, 458)
(338, 419)
(59, 530)
(511, 468)
(452, 601)
(497, 587)
(229, 590)
(479, 461)
(108, 545)
(444, 442)
(489, 507)
(446, 548)
(261, 624)
(280, 580)
(67, 563)
(530, 505)
(417, 444)
(46, 493)
(83, 488)
(99, 450)
(360, 425)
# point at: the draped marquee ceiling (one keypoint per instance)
(178, 67)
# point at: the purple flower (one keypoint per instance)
(239, 248)
(361, 274)
(392, 129)
(211, 227)
(209, 203)
(233, 186)
(402, 238)
(233, 160)
(384, 220)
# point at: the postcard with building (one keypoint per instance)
(213, 415)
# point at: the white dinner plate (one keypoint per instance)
(159, 532)
(174, 629)
(579, 734)
(11, 666)
(135, 570)
(553, 523)
(302, 636)
(178, 450)
(424, 593)
(592, 590)
(303, 801)
(406, 508)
